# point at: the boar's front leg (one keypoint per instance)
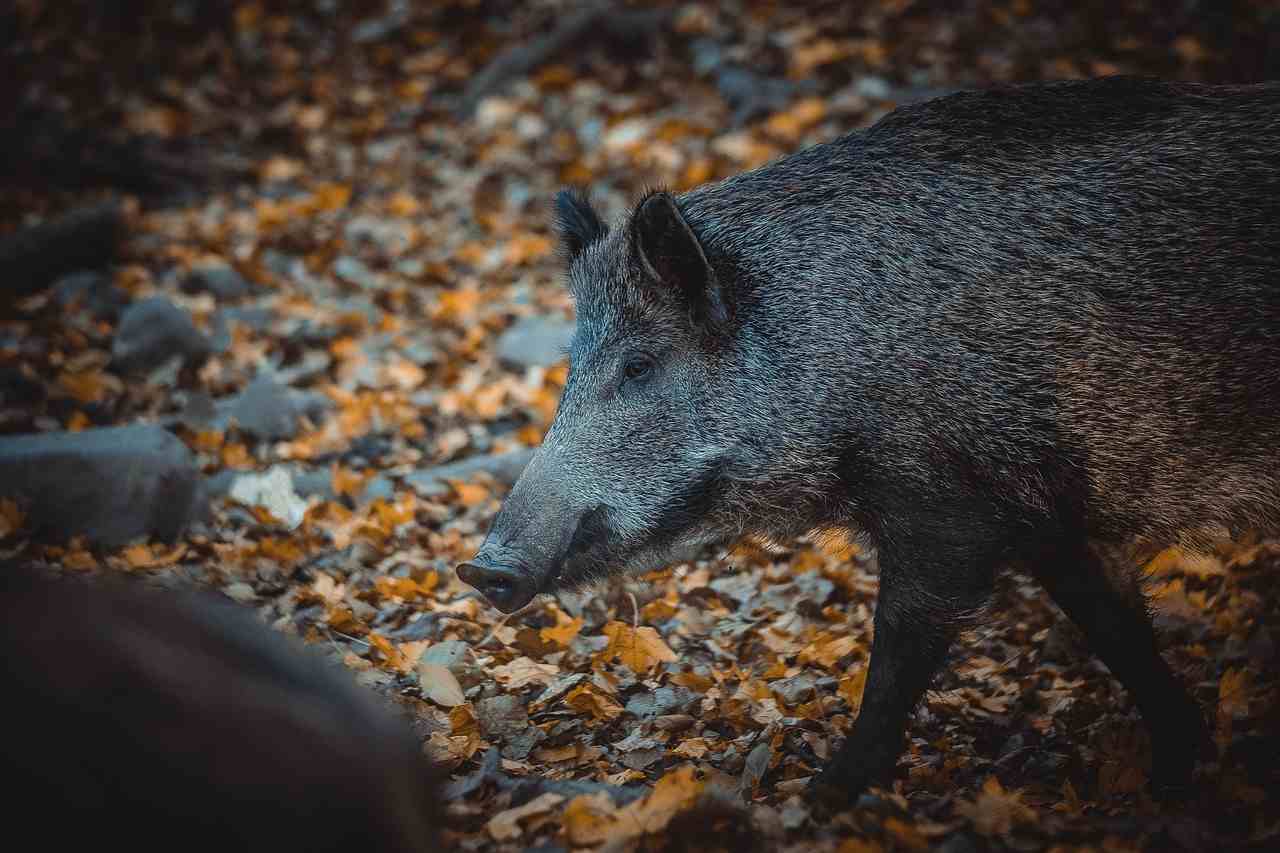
(925, 596)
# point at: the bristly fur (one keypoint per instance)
(577, 221)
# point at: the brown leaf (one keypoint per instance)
(586, 698)
(439, 685)
(505, 826)
(11, 517)
(996, 811)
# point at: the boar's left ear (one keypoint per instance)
(577, 221)
(671, 254)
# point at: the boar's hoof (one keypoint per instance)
(506, 586)
(1175, 751)
(835, 791)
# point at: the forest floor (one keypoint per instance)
(370, 232)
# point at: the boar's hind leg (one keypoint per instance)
(1118, 629)
(923, 602)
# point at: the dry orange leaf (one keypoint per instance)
(90, 386)
(469, 494)
(11, 517)
(563, 632)
(1233, 698)
(402, 204)
(145, 556)
(590, 819)
(390, 652)
(588, 699)
(851, 688)
(638, 649)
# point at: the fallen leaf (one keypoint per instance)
(505, 826)
(638, 649)
(11, 517)
(439, 685)
(996, 811)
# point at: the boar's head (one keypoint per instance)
(633, 473)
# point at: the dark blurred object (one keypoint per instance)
(144, 721)
(84, 239)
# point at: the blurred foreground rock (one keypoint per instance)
(149, 721)
(109, 485)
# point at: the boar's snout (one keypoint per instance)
(503, 581)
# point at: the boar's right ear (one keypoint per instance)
(673, 257)
(577, 221)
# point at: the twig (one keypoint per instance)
(601, 20)
(635, 610)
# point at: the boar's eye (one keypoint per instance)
(637, 367)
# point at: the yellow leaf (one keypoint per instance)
(563, 632)
(851, 688)
(588, 699)
(638, 649)
(469, 494)
(674, 792)
(143, 556)
(402, 204)
(390, 653)
(590, 819)
(331, 196)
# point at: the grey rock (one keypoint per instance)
(535, 341)
(221, 280)
(457, 657)
(661, 702)
(874, 88)
(93, 291)
(109, 485)
(152, 332)
(354, 271)
(795, 690)
(270, 411)
(258, 318)
(381, 487)
(377, 29)
(642, 758)
(392, 235)
(502, 716)
(503, 467)
(240, 591)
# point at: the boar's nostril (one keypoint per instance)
(507, 587)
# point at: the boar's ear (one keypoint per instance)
(671, 254)
(577, 221)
